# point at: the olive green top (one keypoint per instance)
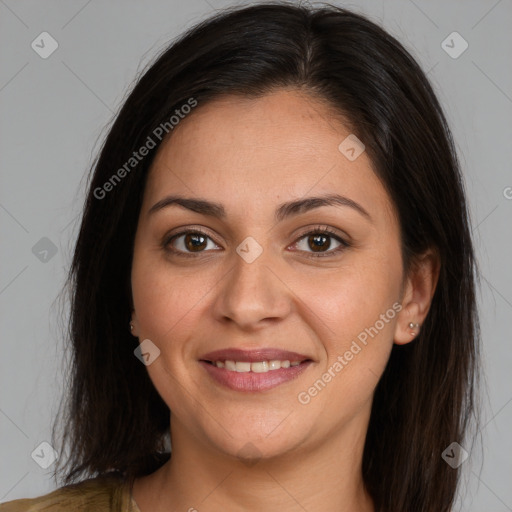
(109, 493)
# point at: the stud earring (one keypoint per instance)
(413, 325)
(131, 326)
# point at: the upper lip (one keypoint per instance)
(261, 354)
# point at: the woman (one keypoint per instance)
(274, 276)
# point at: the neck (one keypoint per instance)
(325, 477)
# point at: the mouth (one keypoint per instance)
(255, 366)
(256, 370)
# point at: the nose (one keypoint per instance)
(253, 294)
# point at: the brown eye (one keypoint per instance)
(189, 242)
(321, 242)
(195, 241)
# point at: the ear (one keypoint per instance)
(419, 288)
(134, 327)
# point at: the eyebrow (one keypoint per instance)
(284, 210)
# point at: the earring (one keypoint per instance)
(131, 326)
(413, 325)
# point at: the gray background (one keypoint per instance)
(54, 112)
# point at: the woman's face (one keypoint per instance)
(263, 276)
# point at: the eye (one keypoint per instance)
(189, 242)
(320, 242)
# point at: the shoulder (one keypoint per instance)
(102, 494)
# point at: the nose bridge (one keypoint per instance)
(252, 292)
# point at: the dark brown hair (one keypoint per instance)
(114, 418)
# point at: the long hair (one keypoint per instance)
(114, 419)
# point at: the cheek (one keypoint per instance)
(171, 304)
(162, 299)
(355, 322)
(166, 305)
(355, 303)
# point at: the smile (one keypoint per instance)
(256, 366)
(255, 376)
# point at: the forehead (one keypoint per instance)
(251, 152)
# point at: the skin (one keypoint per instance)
(251, 155)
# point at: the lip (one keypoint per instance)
(252, 382)
(252, 356)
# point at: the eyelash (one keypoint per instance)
(320, 230)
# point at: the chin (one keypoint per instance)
(251, 446)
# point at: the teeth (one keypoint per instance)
(242, 367)
(230, 365)
(274, 365)
(260, 367)
(256, 367)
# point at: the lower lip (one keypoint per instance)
(251, 381)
